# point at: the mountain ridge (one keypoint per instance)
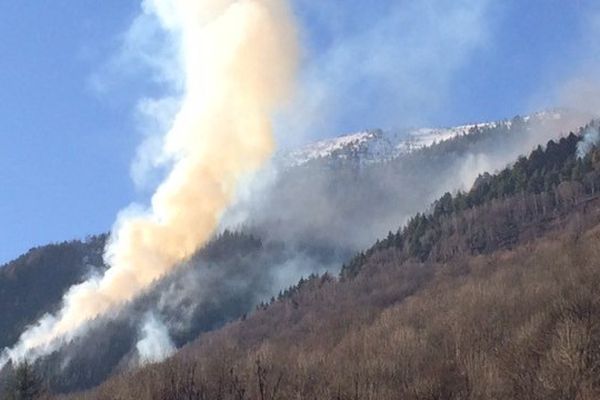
(492, 294)
(377, 145)
(237, 271)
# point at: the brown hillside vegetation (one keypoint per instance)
(493, 294)
(516, 324)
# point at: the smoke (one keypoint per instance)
(156, 344)
(582, 93)
(590, 138)
(236, 274)
(385, 64)
(238, 62)
(537, 130)
(579, 88)
(349, 203)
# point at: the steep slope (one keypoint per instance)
(221, 283)
(494, 294)
(375, 146)
(34, 283)
(520, 324)
(305, 223)
(502, 209)
(351, 181)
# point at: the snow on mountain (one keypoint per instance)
(369, 145)
(376, 145)
(424, 137)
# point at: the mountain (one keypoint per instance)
(34, 283)
(373, 146)
(307, 218)
(493, 294)
(378, 180)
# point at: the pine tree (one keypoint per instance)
(24, 384)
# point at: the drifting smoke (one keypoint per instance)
(325, 201)
(156, 344)
(238, 59)
(590, 138)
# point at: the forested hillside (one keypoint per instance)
(237, 271)
(519, 324)
(223, 281)
(34, 283)
(325, 199)
(493, 294)
(517, 203)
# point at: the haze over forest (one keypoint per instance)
(276, 199)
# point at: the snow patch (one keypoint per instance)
(372, 146)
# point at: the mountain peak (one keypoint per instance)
(375, 145)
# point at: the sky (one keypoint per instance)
(83, 83)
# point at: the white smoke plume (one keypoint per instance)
(155, 344)
(386, 64)
(590, 138)
(238, 59)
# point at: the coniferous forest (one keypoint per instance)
(492, 293)
(300, 200)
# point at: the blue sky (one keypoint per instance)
(71, 81)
